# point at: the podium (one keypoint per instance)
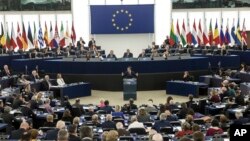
(129, 88)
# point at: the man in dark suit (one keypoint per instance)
(27, 111)
(111, 54)
(187, 76)
(18, 101)
(91, 43)
(46, 84)
(80, 43)
(162, 123)
(108, 123)
(6, 71)
(16, 134)
(8, 118)
(239, 99)
(78, 105)
(72, 129)
(240, 120)
(34, 76)
(108, 109)
(142, 54)
(52, 134)
(129, 73)
(128, 54)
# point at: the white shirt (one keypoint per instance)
(60, 81)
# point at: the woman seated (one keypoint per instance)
(214, 129)
(143, 116)
(67, 116)
(187, 76)
(118, 112)
(215, 98)
(60, 80)
(185, 130)
(95, 120)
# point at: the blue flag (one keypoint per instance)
(121, 19)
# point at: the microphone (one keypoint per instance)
(26, 69)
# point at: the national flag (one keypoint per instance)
(194, 34)
(200, 37)
(189, 35)
(73, 34)
(55, 41)
(216, 34)
(19, 37)
(13, 38)
(40, 37)
(183, 34)
(51, 34)
(67, 38)
(178, 38)
(222, 36)
(24, 39)
(62, 36)
(204, 35)
(210, 34)
(238, 32)
(172, 35)
(35, 40)
(227, 35)
(30, 38)
(244, 33)
(236, 40)
(3, 36)
(7, 37)
(46, 36)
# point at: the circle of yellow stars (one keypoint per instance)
(122, 28)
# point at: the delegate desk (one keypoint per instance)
(5, 59)
(244, 77)
(228, 61)
(73, 90)
(185, 88)
(244, 55)
(7, 81)
(215, 81)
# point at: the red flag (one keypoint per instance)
(19, 37)
(244, 33)
(73, 33)
(205, 38)
(200, 37)
(189, 34)
(13, 38)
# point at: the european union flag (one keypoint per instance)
(121, 19)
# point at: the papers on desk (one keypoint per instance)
(220, 106)
(56, 86)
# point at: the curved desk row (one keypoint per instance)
(106, 75)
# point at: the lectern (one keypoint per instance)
(129, 88)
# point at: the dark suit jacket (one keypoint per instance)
(159, 124)
(241, 121)
(240, 100)
(113, 56)
(91, 43)
(17, 103)
(108, 124)
(79, 44)
(16, 134)
(52, 134)
(28, 112)
(127, 75)
(74, 138)
(3, 73)
(45, 86)
(108, 109)
(126, 55)
(8, 118)
(33, 78)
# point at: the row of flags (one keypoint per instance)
(200, 36)
(26, 41)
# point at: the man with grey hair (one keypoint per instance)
(240, 119)
(157, 137)
(46, 84)
(135, 123)
(109, 123)
(62, 135)
(52, 134)
(162, 123)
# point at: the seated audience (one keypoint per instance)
(150, 107)
(47, 106)
(198, 136)
(240, 119)
(16, 134)
(101, 104)
(121, 130)
(190, 101)
(34, 77)
(157, 137)
(215, 129)
(111, 55)
(86, 132)
(214, 96)
(112, 136)
(117, 112)
(59, 80)
(49, 121)
(77, 104)
(6, 71)
(46, 84)
(108, 109)
(72, 129)
(67, 117)
(18, 101)
(143, 116)
(170, 116)
(95, 120)
(239, 98)
(185, 130)
(135, 124)
(62, 135)
(34, 134)
(65, 103)
(52, 134)
(142, 54)
(162, 123)
(109, 124)
(24, 82)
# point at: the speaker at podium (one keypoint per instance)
(129, 84)
(129, 88)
